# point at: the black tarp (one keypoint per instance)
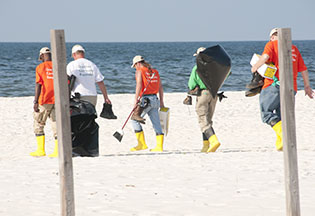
(213, 67)
(84, 129)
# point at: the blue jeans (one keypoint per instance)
(269, 101)
(153, 111)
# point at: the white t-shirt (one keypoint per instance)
(87, 74)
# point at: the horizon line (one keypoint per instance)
(149, 41)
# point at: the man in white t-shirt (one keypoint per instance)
(87, 74)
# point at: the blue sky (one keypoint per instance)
(154, 20)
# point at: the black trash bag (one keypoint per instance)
(213, 67)
(84, 129)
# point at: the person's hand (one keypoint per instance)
(161, 105)
(254, 69)
(135, 103)
(108, 101)
(35, 107)
(309, 92)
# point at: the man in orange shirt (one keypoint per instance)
(44, 103)
(269, 98)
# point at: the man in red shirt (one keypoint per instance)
(269, 98)
(44, 103)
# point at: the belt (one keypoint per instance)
(149, 95)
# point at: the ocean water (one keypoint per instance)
(173, 60)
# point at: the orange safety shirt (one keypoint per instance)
(271, 49)
(154, 84)
(44, 77)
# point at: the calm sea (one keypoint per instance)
(173, 60)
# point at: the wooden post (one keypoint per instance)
(62, 107)
(287, 101)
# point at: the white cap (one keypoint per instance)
(43, 50)
(199, 50)
(136, 59)
(76, 48)
(274, 30)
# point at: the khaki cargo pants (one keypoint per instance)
(91, 99)
(40, 118)
(205, 107)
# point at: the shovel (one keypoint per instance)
(120, 133)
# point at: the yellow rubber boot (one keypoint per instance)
(159, 144)
(55, 153)
(40, 147)
(141, 142)
(214, 143)
(206, 145)
(278, 129)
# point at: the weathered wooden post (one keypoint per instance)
(62, 107)
(287, 101)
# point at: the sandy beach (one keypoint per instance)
(244, 177)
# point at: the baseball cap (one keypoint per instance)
(274, 30)
(199, 50)
(76, 48)
(43, 50)
(136, 59)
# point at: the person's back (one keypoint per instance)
(86, 76)
(44, 76)
(152, 76)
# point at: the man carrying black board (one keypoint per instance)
(213, 66)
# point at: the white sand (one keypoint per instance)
(244, 177)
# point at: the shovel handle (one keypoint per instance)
(128, 117)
